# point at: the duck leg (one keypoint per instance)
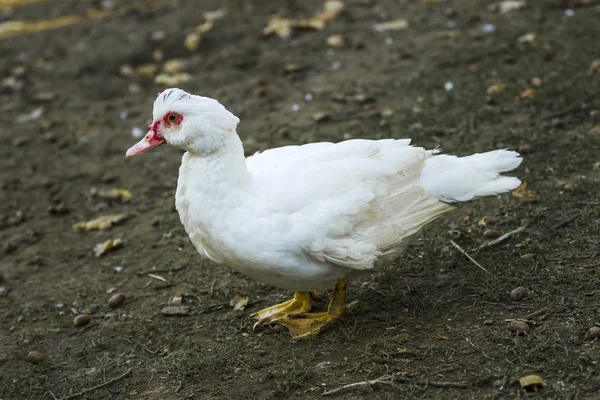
(301, 303)
(307, 324)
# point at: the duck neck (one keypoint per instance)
(222, 168)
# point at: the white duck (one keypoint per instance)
(304, 218)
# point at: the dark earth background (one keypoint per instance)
(70, 97)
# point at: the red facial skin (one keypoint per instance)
(154, 138)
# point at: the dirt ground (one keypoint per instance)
(70, 98)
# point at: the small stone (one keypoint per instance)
(593, 333)
(176, 300)
(568, 187)
(518, 294)
(488, 322)
(335, 41)
(82, 320)
(116, 300)
(525, 149)
(34, 357)
(489, 220)
(492, 234)
(519, 327)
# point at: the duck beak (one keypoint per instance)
(150, 141)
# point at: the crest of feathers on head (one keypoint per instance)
(187, 104)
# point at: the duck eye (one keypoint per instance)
(172, 117)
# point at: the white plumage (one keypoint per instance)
(303, 217)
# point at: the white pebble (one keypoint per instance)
(308, 96)
(119, 268)
(124, 115)
(137, 132)
(488, 28)
(336, 65)
(448, 86)
(569, 12)
(295, 107)
(388, 40)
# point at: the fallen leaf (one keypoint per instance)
(331, 9)
(283, 27)
(522, 193)
(311, 23)
(192, 40)
(532, 381)
(104, 222)
(402, 350)
(147, 70)
(320, 116)
(442, 337)
(527, 38)
(239, 301)
(111, 194)
(495, 89)
(112, 244)
(215, 15)
(394, 25)
(527, 94)
(279, 26)
(174, 65)
(172, 79)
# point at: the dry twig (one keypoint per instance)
(472, 259)
(154, 271)
(501, 238)
(390, 380)
(74, 395)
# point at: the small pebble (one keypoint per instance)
(488, 28)
(116, 300)
(488, 322)
(82, 320)
(176, 300)
(568, 187)
(592, 333)
(518, 294)
(519, 327)
(489, 220)
(492, 234)
(448, 86)
(525, 149)
(34, 357)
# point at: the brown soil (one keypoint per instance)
(429, 315)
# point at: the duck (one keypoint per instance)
(309, 217)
